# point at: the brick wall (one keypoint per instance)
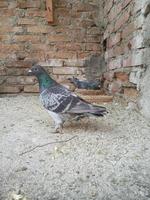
(124, 47)
(113, 29)
(62, 47)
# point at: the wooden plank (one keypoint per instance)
(49, 11)
(89, 92)
(97, 98)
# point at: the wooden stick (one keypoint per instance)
(43, 145)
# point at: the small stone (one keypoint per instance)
(21, 169)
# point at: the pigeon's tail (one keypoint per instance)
(86, 108)
(98, 111)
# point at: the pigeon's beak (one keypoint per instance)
(29, 72)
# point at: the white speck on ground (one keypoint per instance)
(109, 159)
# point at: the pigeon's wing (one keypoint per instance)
(59, 99)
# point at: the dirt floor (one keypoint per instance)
(95, 159)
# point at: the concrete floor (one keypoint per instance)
(106, 158)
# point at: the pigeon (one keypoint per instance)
(92, 85)
(61, 103)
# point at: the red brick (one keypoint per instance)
(115, 11)
(63, 21)
(115, 51)
(115, 63)
(129, 29)
(39, 56)
(71, 46)
(9, 48)
(8, 12)
(93, 47)
(3, 4)
(75, 14)
(5, 29)
(137, 42)
(108, 6)
(122, 20)
(16, 29)
(59, 38)
(77, 35)
(114, 39)
(6, 21)
(53, 63)
(94, 31)
(26, 21)
(127, 61)
(5, 38)
(26, 38)
(2, 71)
(42, 47)
(62, 4)
(62, 11)
(134, 59)
(86, 23)
(12, 5)
(3, 55)
(132, 93)
(85, 7)
(115, 87)
(126, 3)
(109, 30)
(63, 54)
(38, 29)
(23, 80)
(9, 89)
(93, 38)
(29, 4)
(75, 62)
(83, 55)
(35, 13)
(65, 70)
(16, 71)
(19, 64)
(109, 76)
(31, 88)
(8, 29)
(75, 46)
(122, 76)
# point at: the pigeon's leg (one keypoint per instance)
(58, 128)
(58, 121)
(77, 118)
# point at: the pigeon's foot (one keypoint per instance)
(58, 129)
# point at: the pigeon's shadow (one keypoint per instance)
(87, 125)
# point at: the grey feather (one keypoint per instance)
(59, 99)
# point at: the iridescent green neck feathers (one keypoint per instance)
(45, 81)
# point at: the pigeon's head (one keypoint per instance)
(36, 70)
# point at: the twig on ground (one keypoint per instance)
(43, 145)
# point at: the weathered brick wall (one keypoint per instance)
(123, 44)
(144, 98)
(62, 47)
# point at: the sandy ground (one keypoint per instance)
(108, 158)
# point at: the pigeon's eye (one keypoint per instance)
(35, 69)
